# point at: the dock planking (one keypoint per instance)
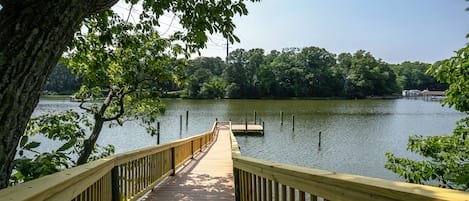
(250, 129)
(209, 176)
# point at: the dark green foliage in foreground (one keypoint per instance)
(446, 158)
(67, 130)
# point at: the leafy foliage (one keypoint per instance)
(455, 71)
(62, 81)
(306, 72)
(446, 158)
(68, 129)
(131, 64)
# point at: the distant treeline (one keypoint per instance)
(62, 81)
(307, 72)
(292, 72)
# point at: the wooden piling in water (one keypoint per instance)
(255, 117)
(293, 122)
(246, 121)
(158, 132)
(319, 141)
(187, 117)
(281, 118)
(180, 122)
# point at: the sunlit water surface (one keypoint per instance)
(355, 134)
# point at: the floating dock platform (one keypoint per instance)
(247, 129)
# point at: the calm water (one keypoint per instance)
(355, 133)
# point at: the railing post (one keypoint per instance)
(192, 149)
(173, 161)
(200, 144)
(115, 184)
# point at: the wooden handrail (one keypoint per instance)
(125, 176)
(266, 180)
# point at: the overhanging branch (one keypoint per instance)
(82, 106)
(101, 5)
(121, 112)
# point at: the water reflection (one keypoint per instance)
(354, 133)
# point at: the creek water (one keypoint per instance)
(355, 134)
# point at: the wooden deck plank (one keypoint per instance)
(208, 177)
(242, 127)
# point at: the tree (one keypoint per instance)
(288, 73)
(368, 76)
(316, 64)
(34, 35)
(129, 67)
(196, 81)
(214, 65)
(62, 81)
(411, 75)
(199, 71)
(236, 74)
(214, 88)
(446, 158)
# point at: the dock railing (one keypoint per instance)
(125, 176)
(265, 180)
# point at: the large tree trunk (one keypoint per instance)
(33, 36)
(89, 144)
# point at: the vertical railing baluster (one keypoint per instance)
(264, 189)
(292, 193)
(115, 183)
(284, 192)
(173, 161)
(302, 196)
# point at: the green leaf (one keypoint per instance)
(67, 145)
(32, 145)
(24, 140)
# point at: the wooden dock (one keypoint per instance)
(209, 176)
(247, 129)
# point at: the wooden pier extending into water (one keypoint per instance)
(246, 129)
(210, 167)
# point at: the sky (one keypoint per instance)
(393, 30)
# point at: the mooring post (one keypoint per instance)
(293, 122)
(263, 128)
(319, 141)
(255, 117)
(180, 122)
(281, 118)
(158, 132)
(246, 121)
(187, 117)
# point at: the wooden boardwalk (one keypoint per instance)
(209, 176)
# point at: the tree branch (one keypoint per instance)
(102, 5)
(121, 95)
(85, 108)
